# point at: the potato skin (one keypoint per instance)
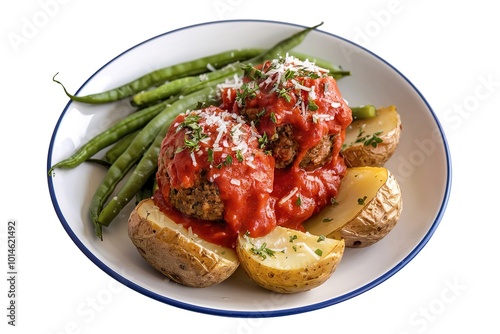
(169, 248)
(290, 280)
(377, 218)
(358, 154)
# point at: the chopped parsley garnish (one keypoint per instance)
(321, 238)
(261, 113)
(367, 140)
(192, 144)
(293, 238)
(273, 117)
(190, 122)
(228, 161)
(210, 155)
(312, 105)
(298, 202)
(252, 72)
(283, 92)
(374, 140)
(194, 134)
(239, 156)
(247, 91)
(290, 74)
(263, 140)
(262, 251)
(318, 252)
(361, 201)
(327, 220)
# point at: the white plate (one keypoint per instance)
(421, 165)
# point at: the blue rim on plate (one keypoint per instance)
(272, 313)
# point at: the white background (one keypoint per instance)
(447, 49)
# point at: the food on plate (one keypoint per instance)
(298, 110)
(297, 106)
(289, 261)
(217, 174)
(249, 163)
(372, 141)
(211, 167)
(176, 251)
(368, 206)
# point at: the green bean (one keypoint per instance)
(201, 81)
(278, 49)
(114, 152)
(215, 78)
(125, 126)
(282, 47)
(180, 85)
(147, 190)
(162, 75)
(335, 71)
(161, 92)
(364, 111)
(146, 167)
(100, 162)
(137, 149)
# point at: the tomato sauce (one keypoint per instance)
(257, 196)
(217, 232)
(223, 149)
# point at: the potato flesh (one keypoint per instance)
(299, 261)
(292, 249)
(357, 183)
(386, 126)
(377, 218)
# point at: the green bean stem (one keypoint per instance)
(364, 111)
(137, 149)
(125, 126)
(192, 67)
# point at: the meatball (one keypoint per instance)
(297, 107)
(319, 155)
(284, 148)
(211, 167)
(201, 201)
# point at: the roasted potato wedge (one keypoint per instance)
(289, 261)
(367, 207)
(372, 141)
(175, 251)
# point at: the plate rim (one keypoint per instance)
(272, 313)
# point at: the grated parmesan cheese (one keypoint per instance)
(210, 67)
(289, 195)
(235, 182)
(308, 249)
